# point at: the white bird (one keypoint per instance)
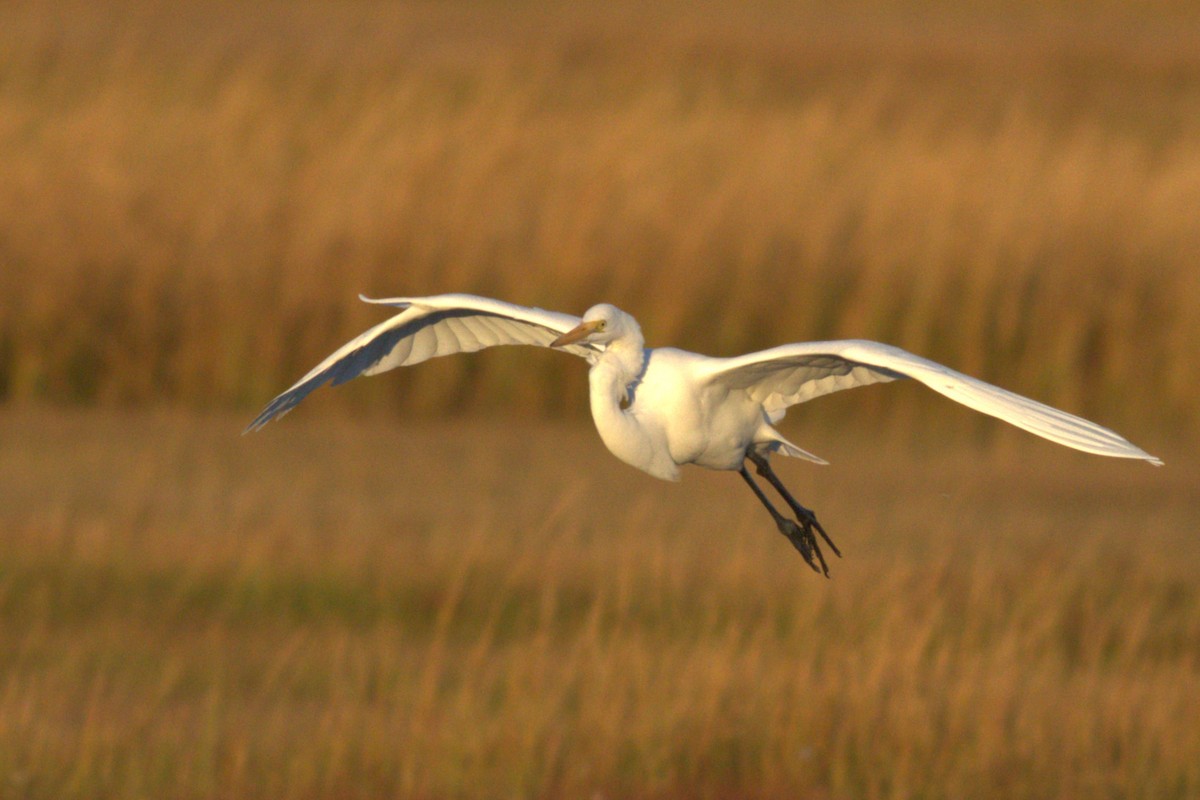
(660, 408)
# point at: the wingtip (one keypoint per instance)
(1133, 451)
(398, 302)
(271, 412)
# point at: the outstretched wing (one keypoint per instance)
(428, 327)
(794, 373)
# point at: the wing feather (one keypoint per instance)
(795, 373)
(428, 327)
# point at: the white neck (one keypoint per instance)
(619, 366)
(610, 381)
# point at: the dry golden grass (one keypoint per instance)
(192, 193)
(472, 610)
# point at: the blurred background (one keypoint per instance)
(437, 583)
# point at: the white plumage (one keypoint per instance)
(660, 408)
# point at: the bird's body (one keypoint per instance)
(658, 409)
(671, 415)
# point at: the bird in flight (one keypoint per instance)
(660, 408)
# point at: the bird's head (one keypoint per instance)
(602, 324)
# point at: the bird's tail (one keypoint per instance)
(775, 443)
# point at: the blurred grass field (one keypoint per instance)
(438, 584)
(465, 609)
(192, 194)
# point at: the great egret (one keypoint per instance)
(660, 408)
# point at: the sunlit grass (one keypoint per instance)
(465, 610)
(192, 194)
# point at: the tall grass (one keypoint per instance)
(191, 194)
(363, 611)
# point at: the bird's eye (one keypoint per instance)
(602, 325)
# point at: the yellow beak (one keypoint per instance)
(575, 334)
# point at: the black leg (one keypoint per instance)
(804, 516)
(800, 537)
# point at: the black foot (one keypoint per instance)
(809, 520)
(802, 538)
(803, 515)
(798, 531)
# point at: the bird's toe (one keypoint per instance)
(806, 544)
